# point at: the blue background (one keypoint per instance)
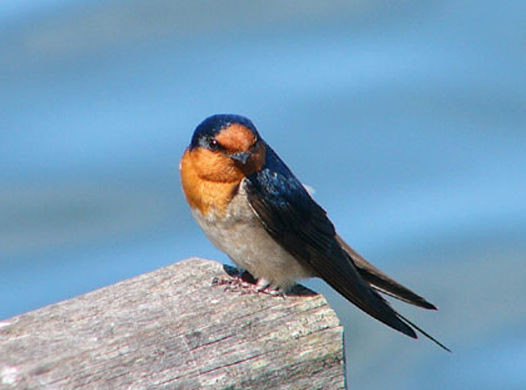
(408, 118)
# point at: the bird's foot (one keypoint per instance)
(243, 282)
(240, 280)
(265, 287)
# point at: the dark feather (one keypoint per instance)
(381, 282)
(301, 226)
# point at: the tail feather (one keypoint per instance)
(381, 282)
(427, 335)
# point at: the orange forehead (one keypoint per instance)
(236, 138)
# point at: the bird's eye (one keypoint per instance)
(214, 144)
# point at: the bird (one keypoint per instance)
(253, 208)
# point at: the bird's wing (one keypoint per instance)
(302, 227)
(380, 281)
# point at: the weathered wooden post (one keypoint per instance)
(183, 327)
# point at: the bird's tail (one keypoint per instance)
(427, 335)
(383, 283)
(380, 281)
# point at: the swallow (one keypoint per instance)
(252, 207)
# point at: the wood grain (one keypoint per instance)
(185, 326)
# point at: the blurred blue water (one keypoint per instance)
(409, 120)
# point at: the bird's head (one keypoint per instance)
(226, 148)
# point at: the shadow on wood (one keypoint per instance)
(176, 327)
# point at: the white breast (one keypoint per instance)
(243, 238)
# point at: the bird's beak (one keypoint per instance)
(242, 157)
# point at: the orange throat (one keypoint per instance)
(209, 181)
